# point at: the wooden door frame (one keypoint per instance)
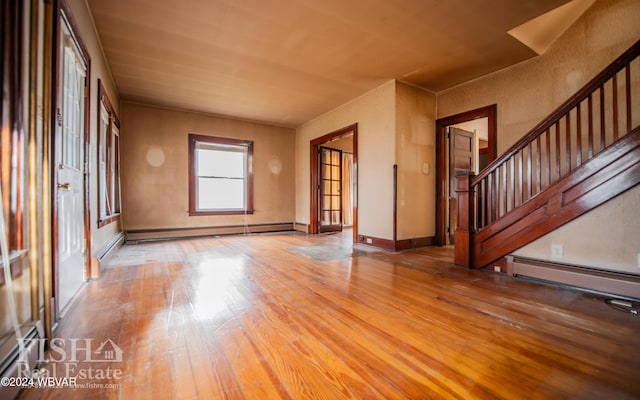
(315, 178)
(63, 10)
(489, 112)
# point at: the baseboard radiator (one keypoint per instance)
(10, 355)
(140, 235)
(609, 282)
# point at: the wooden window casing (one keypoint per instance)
(199, 142)
(108, 160)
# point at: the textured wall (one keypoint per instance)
(375, 114)
(155, 188)
(415, 147)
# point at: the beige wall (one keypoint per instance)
(375, 114)
(156, 197)
(396, 125)
(99, 70)
(415, 149)
(526, 93)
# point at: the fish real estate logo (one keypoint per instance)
(70, 361)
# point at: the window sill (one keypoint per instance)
(107, 220)
(219, 212)
(17, 261)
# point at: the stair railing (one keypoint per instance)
(597, 116)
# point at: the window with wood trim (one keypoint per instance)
(108, 160)
(220, 176)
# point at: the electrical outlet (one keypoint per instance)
(426, 168)
(556, 250)
(369, 241)
(497, 268)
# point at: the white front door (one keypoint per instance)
(69, 161)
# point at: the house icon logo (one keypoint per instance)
(108, 351)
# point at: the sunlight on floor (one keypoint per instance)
(217, 279)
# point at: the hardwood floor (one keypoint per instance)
(294, 316)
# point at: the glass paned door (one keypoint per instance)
(330, 163)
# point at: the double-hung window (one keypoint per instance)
(220, 175)
(108, 160)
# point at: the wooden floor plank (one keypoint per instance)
(296, 316)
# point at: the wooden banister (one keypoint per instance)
(592, 86)
(599, 116)
(464, 226)
(600, 179)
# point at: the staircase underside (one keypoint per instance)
(610, 173)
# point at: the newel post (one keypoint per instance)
(465, 226)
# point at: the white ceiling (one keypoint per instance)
(479, 126)
(285, 62)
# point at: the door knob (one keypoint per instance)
(65, 186)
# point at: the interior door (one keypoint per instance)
(330, 163)
(69, 159)
(461, 149)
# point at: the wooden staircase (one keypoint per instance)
(585, 153)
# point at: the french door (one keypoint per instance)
(330, 163)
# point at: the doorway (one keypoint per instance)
(70, 208)
(334, 181)
(464, 142)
